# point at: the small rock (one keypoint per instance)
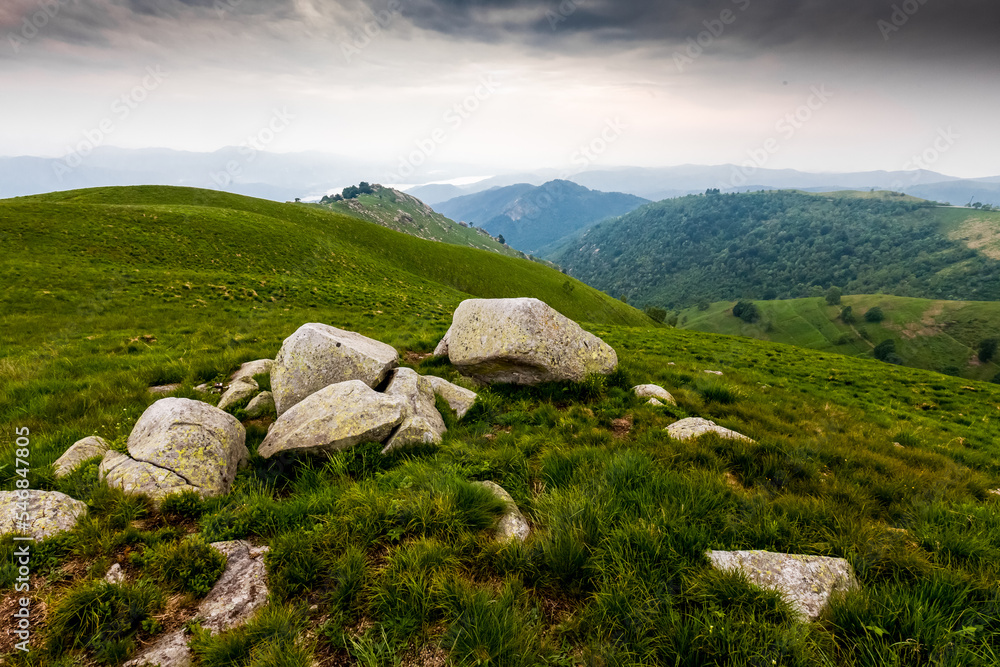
(442, 347)
(164, 389)
(806, 582)
(422, 423)
(262, 404)
(714, 372)
(206, 388)
(459, 399)
(694, 427)
(239, 390)
(337, 417)
(995, 492)
(654, 402)
(523, 341)
(79, 452)
(898, 446)
(512, 525)
(318, 355)
(48, 512)
(654, 391)
(251, 368)
(115, 574)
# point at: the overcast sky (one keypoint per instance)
(817, 85)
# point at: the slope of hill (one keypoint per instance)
(769, 245)
(942, 336)
(531, 218)
(405, 213)
(390, 559)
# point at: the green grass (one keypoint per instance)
(390, 560)
(942, 336)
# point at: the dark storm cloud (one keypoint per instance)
(969, 25)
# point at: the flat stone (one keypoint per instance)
(458, 398)
(164, 389)
(48, 512)
(337, 417)
(251, 368)
(806, 582)
(694, 427)
(81, 450)
(654, 391)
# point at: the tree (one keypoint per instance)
(884, 350)
(847, 315)
(988, 349)
(874, 315)
(747, 311)
(833, 296)
(656, 314)
(502, 240)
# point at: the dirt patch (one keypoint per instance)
(414, 358)
(733, 483)
(981, 235)
(10, 604)
(622, 427)
(928, 324)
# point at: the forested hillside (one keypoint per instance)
(778, 245)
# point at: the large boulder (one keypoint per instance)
(239, 390)
(40, 514)
(81, 450)
(458, 398)
(512, 525)
(337, 417)
(318, 355)
(239, 592)
(179, 444)
(523, 341)
(251, 368)
(695, 427)
(422, 423)
(806, 582)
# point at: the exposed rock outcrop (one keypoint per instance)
(239, 390)
(262, 404)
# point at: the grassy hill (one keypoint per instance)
(942, 336)
(780, 244)
(404, 213)
(390, 560)
(532, 218)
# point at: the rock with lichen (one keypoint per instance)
(654, 392)
(39, 514)
(512, 525)
(422, 423)
(81, 450)
(458, 398)
(179, 444)
(523, 341)
(806, 582)
(319, 355)
(239, 391)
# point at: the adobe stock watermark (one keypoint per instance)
(561, 13)
(122, 108)
(280, 121)
(370, 30)
(714, 29)
(22, 543)
(589, 153)
(787, 127)
(454, 118)
(34, 23)
(901, 15)
(943, 142)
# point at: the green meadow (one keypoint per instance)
(389, 560)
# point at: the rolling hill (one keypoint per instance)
(942, 336)
(405, 213)
(780, 245)
(392, 559)
(530, 218)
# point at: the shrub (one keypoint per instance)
(847, 315)
(884, 349)
(102, 619)
(746, 311)
(833, 296)
(874, 315)
(190, 565)
(657, 314)
(988, 349)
